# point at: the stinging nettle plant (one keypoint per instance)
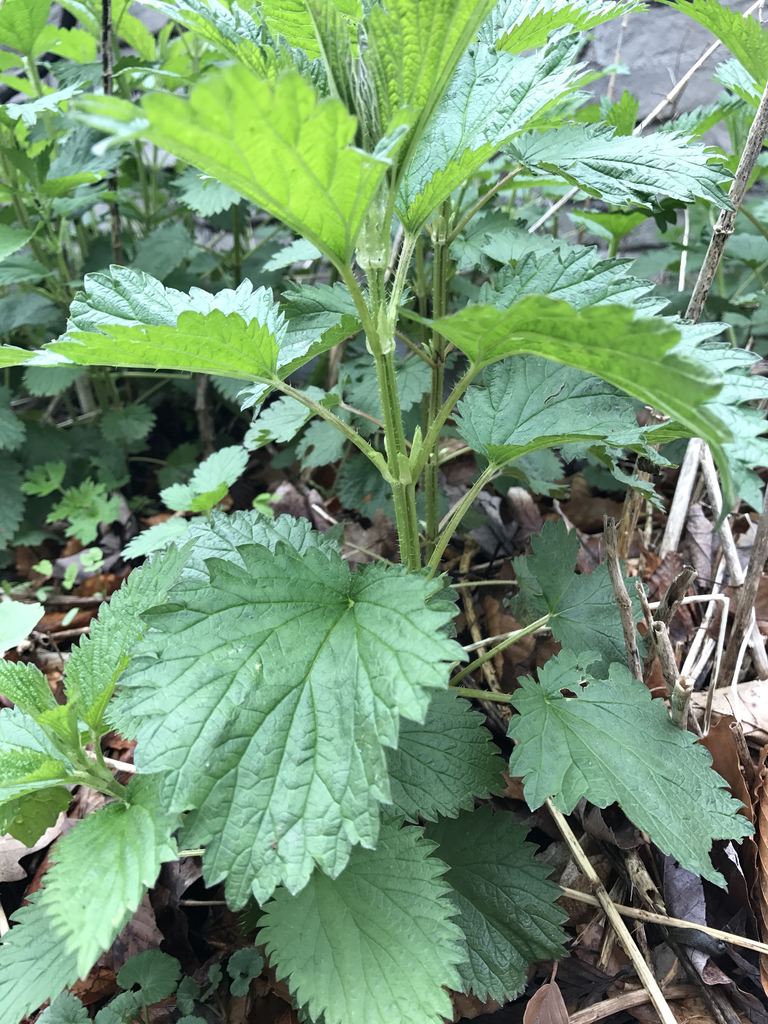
(291, 715)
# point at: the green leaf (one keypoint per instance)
(128, 425)
(156, 538)
(526, 24)
(380, 931)
(156, 973)
(67, 1009)
(242, 966)
(224, 466)
(27, 817)
(44, 480)
(211, 343)
(587, 745)
(623, 169)
(24, 770)
(20, 309)
(21, 22)
(277, 145)
(280, 421)
(743, 36)
(529, 403)
(21, 683)
(295, 252)
(507, 908)
(633, 354)
(583, 607)
(204, 502)
(440, 766)
(414, 47)
(12, 239)
(321, 445)
(204, 194)
(22, 270)
(85, 507)
(577, 274)
(17, 621)
(12, 500)
(163, 250)
(34, 965)
(96, 662)
(48, 381)
(12, 429)
(104, 867)
(491, 98)
(305, 733)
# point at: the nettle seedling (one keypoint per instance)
(291, 714)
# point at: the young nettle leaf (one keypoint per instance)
(381, 932)
(491, 97)
(582, 607)
(507, 908)
(25, 685)
(529, 403)
(625, 168)
(96, 662)
(29, 761)
(156, 974)
(281, 420)
(85, 507)
(519, 25)
(440, 766)
(67, 1009)
(309, 730)
(204, 194)
(104, 867)
(279, 146)
(607, 740)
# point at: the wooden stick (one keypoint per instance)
(622, 597)
(606, 1008)
(674, 594)
(644, 972)
(670, 922)
(678, 511)
(666, 655)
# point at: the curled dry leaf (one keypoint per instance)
(546, 1006)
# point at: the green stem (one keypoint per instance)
(481, 203)
(459, 512)
(502, 698)
(433, 434)
(349, 432)
(437, 352)
(512, 639)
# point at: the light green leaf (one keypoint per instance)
(380, 931)
(520, 25)
(17, 621)
(24, 770)
(529, 403)
(583, 607)
(67, 1009)
(211, 343)
(277, 145)
(281, 420)
(27, 817)
(204, 194)
(318, 312)
(156, 973)
(128, 425)
(507, 908)
(104, 867)
(34, 966)
(12, 239)
(295, 252)
(67, 43)
(624, 169)
(743, 36)
(292, 747)
(204, 502)
(633, 354)
(414, 47)
(225, 466)
(44, 479)
(21, 22)
(587, 745)
(156, 538)
(491, 97)
(12, 499)
(23, 684)
(440, 766)
(100, 657)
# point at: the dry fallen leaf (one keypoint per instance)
(11, 851)
(546, 1006)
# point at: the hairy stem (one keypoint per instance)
(459, 512)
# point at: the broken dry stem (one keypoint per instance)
(644, 972)
(622, 598)
(665, 654)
